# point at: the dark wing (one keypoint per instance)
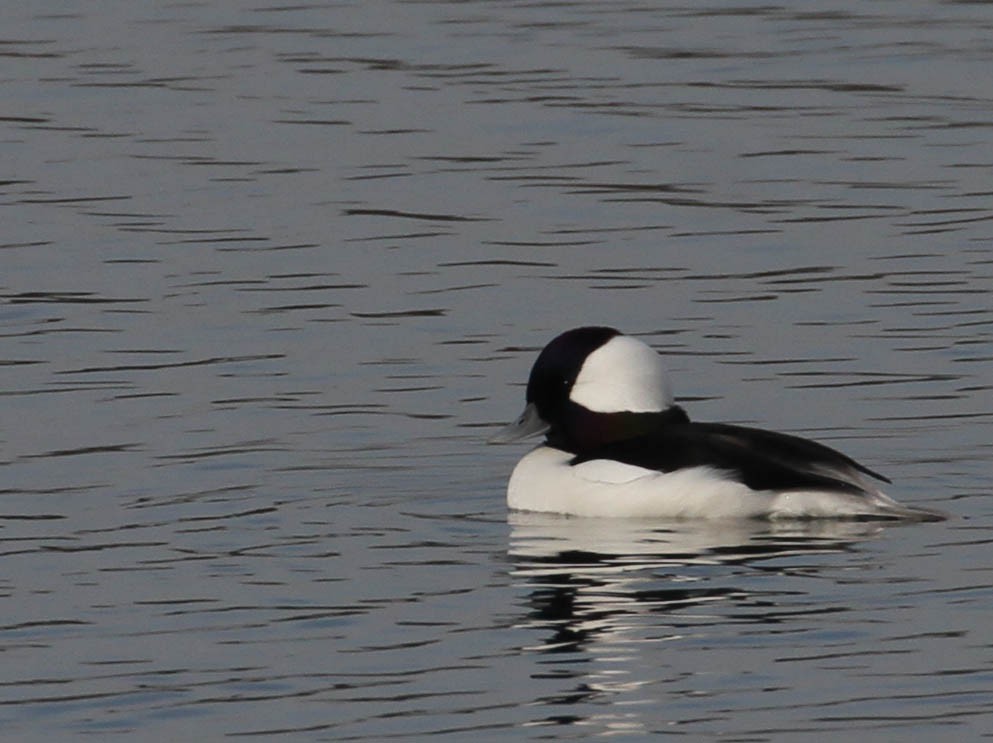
(762, 460)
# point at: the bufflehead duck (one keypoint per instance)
(616, 444)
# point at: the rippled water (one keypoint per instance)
(269, 275)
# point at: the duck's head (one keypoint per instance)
(591, 369)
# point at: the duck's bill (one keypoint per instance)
(528, 424)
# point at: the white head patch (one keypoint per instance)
(623, 374)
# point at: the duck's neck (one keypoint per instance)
(584, 430)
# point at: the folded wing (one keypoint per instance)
(762, 460)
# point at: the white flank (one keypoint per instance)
(544, 481)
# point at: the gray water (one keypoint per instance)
(271, 274)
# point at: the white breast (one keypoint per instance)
(545, 481)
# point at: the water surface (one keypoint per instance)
(270, 275)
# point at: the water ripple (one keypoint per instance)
(271, 273)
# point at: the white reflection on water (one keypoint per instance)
(627, 541)
(617, 605)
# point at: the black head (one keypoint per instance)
(557, 367)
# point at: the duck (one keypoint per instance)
(616, 444)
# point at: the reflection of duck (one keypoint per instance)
(613, 599)
(617, 445)
(588, 575)
(539, 539)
